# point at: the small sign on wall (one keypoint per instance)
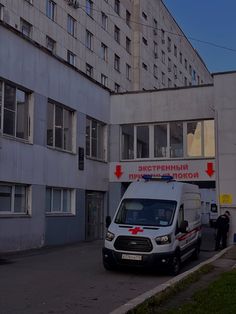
(226, 199)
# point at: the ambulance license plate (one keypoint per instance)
(131, 257)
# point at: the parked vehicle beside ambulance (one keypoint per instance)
(157, 223)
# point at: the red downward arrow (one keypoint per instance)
(210, 171)
(118, 173)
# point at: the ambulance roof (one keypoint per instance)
(165, 190)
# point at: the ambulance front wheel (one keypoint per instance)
(175, 266)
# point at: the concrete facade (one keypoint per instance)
(155, 59)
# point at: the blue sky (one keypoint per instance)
(211, 21)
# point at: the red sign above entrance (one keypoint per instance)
(181, 170)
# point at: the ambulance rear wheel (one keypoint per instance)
(175, 266)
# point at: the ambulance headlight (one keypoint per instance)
(163, 239)
(110, 236)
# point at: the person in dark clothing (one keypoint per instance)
(222, 226)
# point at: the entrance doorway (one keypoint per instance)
(94, 215)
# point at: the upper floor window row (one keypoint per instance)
(15, 113)
(193, 139)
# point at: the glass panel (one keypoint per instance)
(176, 139)
(67, 130)
(142, 141)
(146, 212)
(22, 114)
(209, 138)
(66, 200)
(10, 97)
(194, 139)
(127, 137)
(58, 126)
(56, 206)
(48, 199)
(88, 137)
(20, 199)
(5, 198)
(50, 124)
(160, 140)
(9, 122)
(100, 132)
(94, 139)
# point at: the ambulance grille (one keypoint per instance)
(137, 244)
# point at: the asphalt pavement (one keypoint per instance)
(72, 280)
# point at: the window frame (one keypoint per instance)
(71, 25)
(72, 195)
(51, 10)
(27, 196)
(28, 113)
(52, 143)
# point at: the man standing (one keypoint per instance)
(222, 226)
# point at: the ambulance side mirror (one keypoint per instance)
(183, 226)
(108, 221)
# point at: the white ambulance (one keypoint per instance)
(157, 223)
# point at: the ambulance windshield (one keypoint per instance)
(146, 212)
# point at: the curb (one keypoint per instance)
(140, 299)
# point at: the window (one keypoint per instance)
(185, 64)
(142, 141)
(169, 44)
(89, 7)
(176, 139)
(104, 21)
(117, 63)
(154, 27)
(190, 70)
(26, 28)
(60, 126)
(89, 70)
(117, 34)
(71, 25)
(104, 80)
(175, 51)
(163, 36)
(145, 41)
(163, 78)
(155, 71)
(14, 111)
(181, 57)
(144, 66)
(116, 88)
(117, 6)
(175, 71)
(194, 139)
(50, 9)
(155, 49)
(1, 12)
(14, 198)
(104, 51)
(185, 81)
(71, 57)
(128, 45)
(51, 44)
(95, 139)
(128, 72)
(128, 18)
(169, 65)
(60, 200)
(89, 40)
(163, 57)
(209, 138)
(169, 83)
(127, 141)
(144, 15)
(160, 141)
